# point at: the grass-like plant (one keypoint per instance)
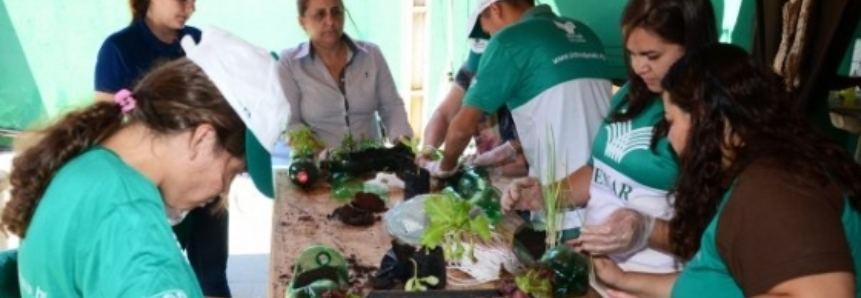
(551, 195)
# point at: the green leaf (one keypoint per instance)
(433, 236)
(411, 285)
(439, 209)
(450, 224)
(458, 249)
(303, 141)
(431, 280)
(534, 284)
(481, 226)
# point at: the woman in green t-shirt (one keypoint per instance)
(91, 195)
(778, 202)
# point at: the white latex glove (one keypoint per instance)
(626, 231)
(523, 194)
(498, 155)
(434, 168)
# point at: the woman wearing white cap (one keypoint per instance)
(336, 85)
(90, 195)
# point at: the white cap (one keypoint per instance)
(474, 29)
(247, 76)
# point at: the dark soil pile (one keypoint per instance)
(369, 202)
(352, 216)
(360, 212)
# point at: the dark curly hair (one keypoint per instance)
(174, 97)
(688, 23)
(727, 94)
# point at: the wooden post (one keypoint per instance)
(418, 59)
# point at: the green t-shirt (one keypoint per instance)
(627, 173)
(551, 72)
(101, 230)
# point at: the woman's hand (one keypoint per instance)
(523, 194)
(607, 271)
(625, 231)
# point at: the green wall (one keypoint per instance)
(734, 18)
(21, 102)
(52, 62)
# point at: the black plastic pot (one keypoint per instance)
(529, 245)
(416, 182)
(397, 267)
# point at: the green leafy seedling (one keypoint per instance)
(451, 225)
(416, 283)
(304, 142)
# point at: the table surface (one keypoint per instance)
(300, 219)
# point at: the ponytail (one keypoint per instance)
(139, 9)
(35, 166)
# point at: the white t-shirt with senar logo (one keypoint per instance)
(628, 173)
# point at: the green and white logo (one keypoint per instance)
(622, 139)
(570, 31)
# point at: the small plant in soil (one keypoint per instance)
(356, 159)
(419, 284)
(303, 170)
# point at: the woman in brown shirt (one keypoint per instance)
(770, 206)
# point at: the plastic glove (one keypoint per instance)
(626, 231)
(498, 155)
(523, 194)
(434, 168)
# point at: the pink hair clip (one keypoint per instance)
(125, 100)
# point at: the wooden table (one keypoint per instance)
(300, 220)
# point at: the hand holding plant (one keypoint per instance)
(499, 155)
(523, 194)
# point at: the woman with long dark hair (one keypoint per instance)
(91, 194)
(769, 206)
(626, 184)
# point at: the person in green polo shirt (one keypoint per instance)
(777, 205)
(497, 145)
(550, 71)
(91, 195)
